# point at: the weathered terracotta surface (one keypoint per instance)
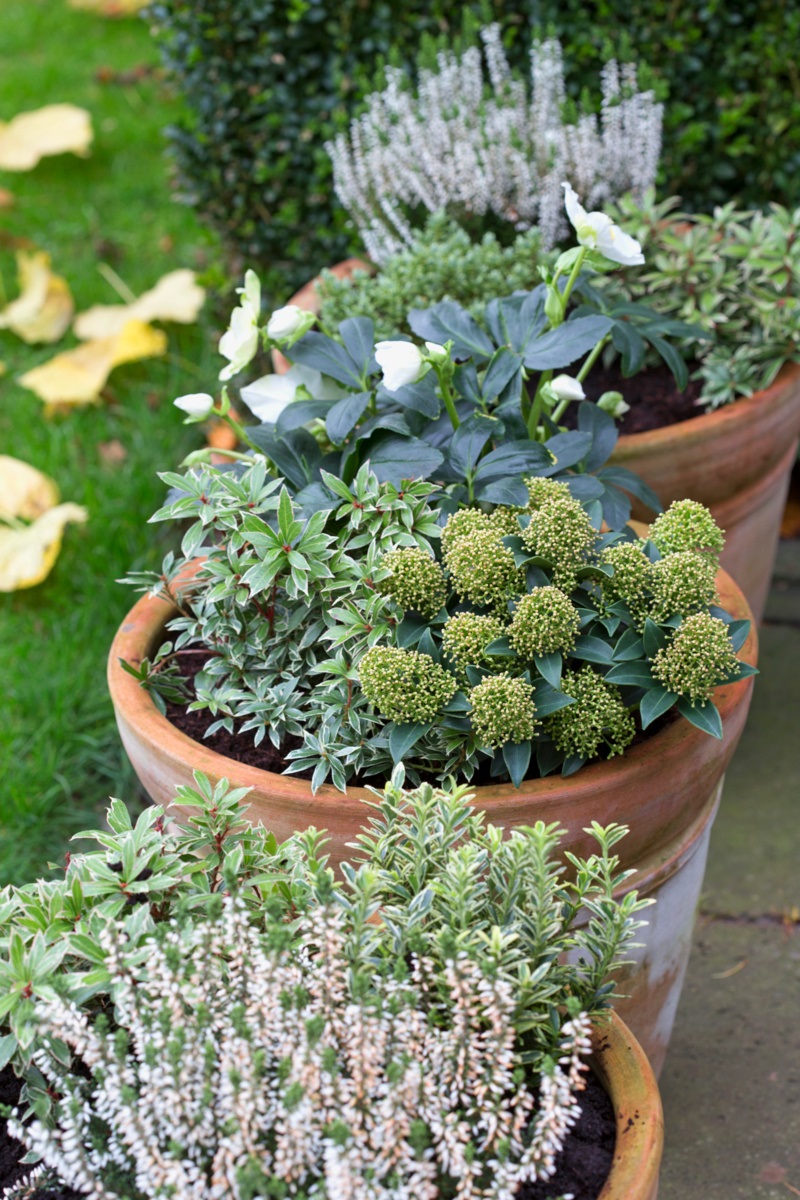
(622, 1067)
(665, 790)
(736, 460)
(308, 299)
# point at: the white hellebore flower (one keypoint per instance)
(267, 397)
(564, 387)
(196, 405)
(240, 343)
(285, 321)
(403, 362)
(598, 232)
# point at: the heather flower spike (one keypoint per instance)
(598, 232)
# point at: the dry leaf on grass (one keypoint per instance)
(44, 308)
(54, 129)
(78, 376)
(6, 198)
(176, 297)
(111, 8)
(24, 491)
(112, 453)
(27, 553)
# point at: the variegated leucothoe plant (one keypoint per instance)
(515, 642)
(313, 1036)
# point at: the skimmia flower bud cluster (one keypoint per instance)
(698, 656)
(687, 525)
(544, 621)
(682, 583)
(598, 719)
(465, 637)
(632, 580)
(404, 685)
(561, 532)
(415, 581)
(502, 710)
(482, 569)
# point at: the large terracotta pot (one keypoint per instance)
(666, 789)
(622, 1067)
(736, 460)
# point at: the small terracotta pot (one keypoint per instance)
(665, 789)
(622, 1067)
(736, 460)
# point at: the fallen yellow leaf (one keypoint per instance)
(44, 308)
(27, 554)
(111, 8)
(176, 297)
(24, 491)
(78, 376)
(54, 129)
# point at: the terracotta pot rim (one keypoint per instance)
(147, 619)
(709, 424)
(622, 1067)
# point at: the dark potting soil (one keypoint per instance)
(11, 1151)
(581, 1168)
(653, 397)
(583, 1165)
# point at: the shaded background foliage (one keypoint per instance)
(266, 83)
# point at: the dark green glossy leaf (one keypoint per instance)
(503, 366)
(448, 321)
(631, 674)
(517, 757)
(564, 345)
(629, 646)
(358, 335)
(403, 738)
(654, 639)
(396, 459)
(550, 666)
(469, 440)
(345, 414)
(319, 351)
(592, 649)
(705, 717)
(623, 478)
(654, 703)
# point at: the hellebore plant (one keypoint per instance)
(476, 408)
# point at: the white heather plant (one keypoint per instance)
(472, 141)
(439, 1048)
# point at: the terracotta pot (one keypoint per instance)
(622, 1067)
(736, 460)
(666, 789)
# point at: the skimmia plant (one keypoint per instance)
(294, 1005)
(517, 641)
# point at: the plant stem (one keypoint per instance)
(449, 403)
(591, 359)
(565, 295)
(536, 408)
(240, 432)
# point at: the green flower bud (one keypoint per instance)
(598, 718)
(561, 532)
(682, 583)
(502, 711)
(697, 658)
(465, 638)
(544, 621)
(416, 581)
(483, 569)
(687, 525)
(404, 685)
(461, 523)
(505, 521)
(633, 578)
(541, 489)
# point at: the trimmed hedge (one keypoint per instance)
(266, 84)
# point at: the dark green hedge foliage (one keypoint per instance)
(266, 83)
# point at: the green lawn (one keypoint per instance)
(60, 757)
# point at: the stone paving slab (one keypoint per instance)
(754, 859)
(731, 1084)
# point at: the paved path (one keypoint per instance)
(731, 1084)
